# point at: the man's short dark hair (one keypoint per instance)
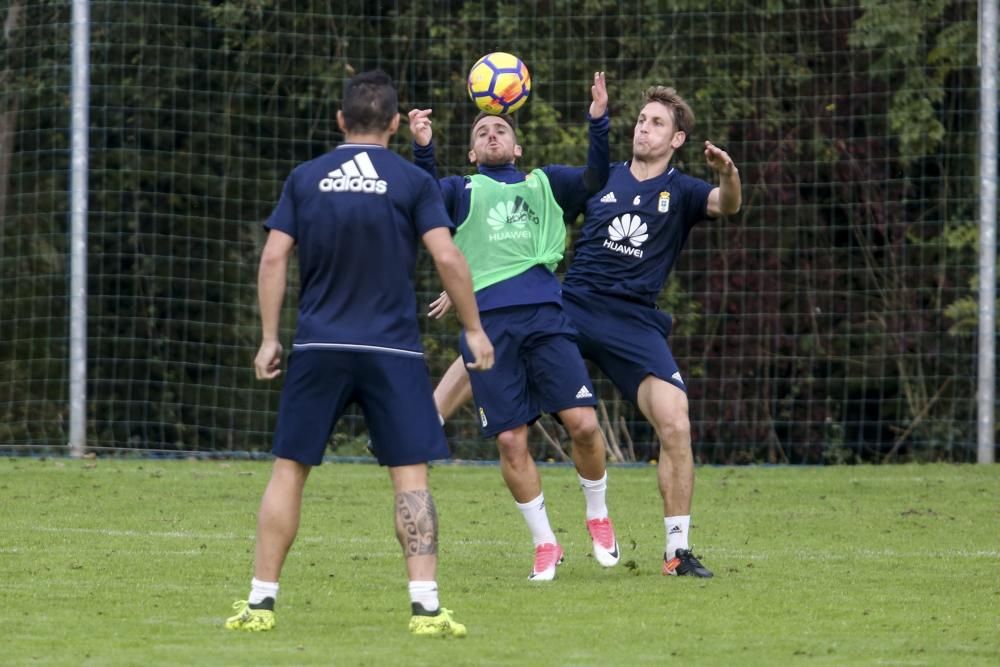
(370, 102)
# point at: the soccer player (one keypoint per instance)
(355, 216)
(512, 230)
(632, 233)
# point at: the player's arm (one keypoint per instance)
(727, 198)
(572, 186)
(272, 276)
(423, 149)
(598, 151)
(453, 391)
(457, 280)
(423, 156)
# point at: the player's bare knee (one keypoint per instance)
(511, 446)
(674, 428)
(581, 424)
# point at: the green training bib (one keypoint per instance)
(510, 228)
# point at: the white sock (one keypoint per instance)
(538, 520)
(595, 492)
(262, 589)
(677, 533)
(426, 593)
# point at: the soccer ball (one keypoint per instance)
(499, 83)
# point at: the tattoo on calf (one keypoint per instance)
(416, 523)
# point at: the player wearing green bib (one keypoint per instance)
(512, 230)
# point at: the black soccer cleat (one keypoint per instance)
(685, 564)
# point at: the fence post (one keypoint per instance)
(79, 165)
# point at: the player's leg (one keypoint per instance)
(589, 451)
(561, 385)
(278, 519)
(396, 398)
(416, 525)
(629, 344)
(277, 526)
(590, 459)
(314, 386)
(417, 532)
(505, 408)
(454, 389)
(525, 483)
(666, 408)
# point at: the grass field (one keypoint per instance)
(107, 562)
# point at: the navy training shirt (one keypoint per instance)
(357, 214)
(569, 187)
(633, 232)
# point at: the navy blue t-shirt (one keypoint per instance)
(633, 232)
(357, 214)
(570, 190)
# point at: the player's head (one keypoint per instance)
(663, 124)
(370, 104)
(493, 140)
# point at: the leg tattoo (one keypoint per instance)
(416, 523)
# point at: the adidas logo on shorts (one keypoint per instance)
(584, 392)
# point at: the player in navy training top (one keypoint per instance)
(539, 368)
(355, 216)
(633, 230)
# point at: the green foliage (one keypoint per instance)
(916, 62)
(817, 315)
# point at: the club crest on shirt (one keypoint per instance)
(664, 204)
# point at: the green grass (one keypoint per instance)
(137, 562)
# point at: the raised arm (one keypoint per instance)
(598, 151)
(727, 198)
(423, 156)
(423, 150)
(572, 186)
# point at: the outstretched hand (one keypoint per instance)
(420, 126)
(599, 95)
(718, 159)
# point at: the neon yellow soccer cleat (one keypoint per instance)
(439, 625)
(249, 619)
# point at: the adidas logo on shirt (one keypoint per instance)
(508, 219)
(609, 198)
(677, 376)
(516, 212)
(584, 392)
(356, 175)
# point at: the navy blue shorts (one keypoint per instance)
(627, 341)
(538, 368)
(393, 391)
